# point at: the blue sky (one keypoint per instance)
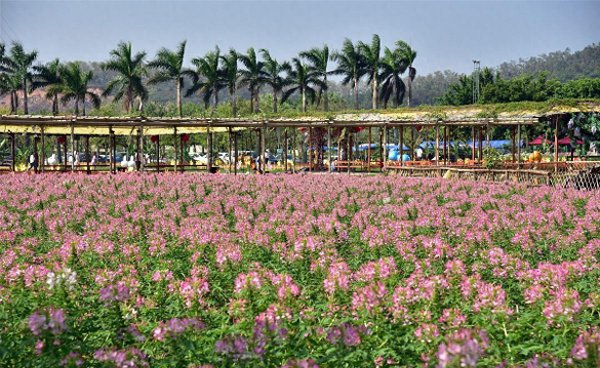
(446, 35)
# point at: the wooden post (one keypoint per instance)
(175, 147)
(519, 145)
(158, 153)
(65, 150)
(380, 149)
(448, 140)
(142, 158)
(42, 157)
(385, 146)
(310, 149)
(513, 145)
(13, 151)
(413, 143)
(72, 147)
(87, 154)
(181, 153)
(285, 149)
(138, 150)
(401, 145)
(445, 141)
(556, 143)
(235, 153)
(294, 153)
(473, 145)
(329, 147)
(263, 160)
(230, 149)
(437, 143)
(369, 152)
(111, 141)
(480, 145)
(348, 149)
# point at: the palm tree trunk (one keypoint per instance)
(215, 100)
(129, 101)
(178, 88)
(257, 96)
(251, 99)
(356, 93)
(409, 88)
(13, 102)
(25, 102)
(77, 106)
(55, 105)
(274, 100)
(303, 99)
(233, 102)
(83, 105)
(325, 98)
(374, 87)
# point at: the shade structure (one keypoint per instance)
(566, 141)
(103, 131)
(539, 141)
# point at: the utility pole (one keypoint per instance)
(476, 71)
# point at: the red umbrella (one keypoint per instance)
(539, 141)
(567, 141)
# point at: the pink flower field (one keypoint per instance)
(296, 271)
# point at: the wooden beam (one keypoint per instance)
(369, 152)
(285, 149)
(175, 138)
(329, 148)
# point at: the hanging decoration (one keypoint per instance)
(185, 137)
(154, 138)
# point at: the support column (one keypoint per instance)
(142, 158)
(329, 148)
(310, 149)
(437, 144)
(413, 143)
(175, 147)
(87, 155)
(556, 143)
(473, 145)
(513, 145)
(235, 153)
(13, 151)
(73, 147)
(263, 160)
(42, 160)
(157, 153)
(519, 145)
(348, 148)
(285, 149)
(401, 145)
(111, 143)
(230, 148)
(138, 150)
(480, 145)
(380, 149)
(446, 145)
(385, 146)
(369, 152)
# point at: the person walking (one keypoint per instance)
(33, 162)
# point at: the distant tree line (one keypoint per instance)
(495, 89)
(132, 73)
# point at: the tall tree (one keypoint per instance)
(9, 82)
(302, 80)
(273, 75)
(130, 69)
(372, 63)
(207, 77)
(350, 65)
(75, 87)
(392, 86)
(318, 59)
(169, 65)
(252, 76)
(19, 67)
(48, 77)
(406, 53)
(231, 75)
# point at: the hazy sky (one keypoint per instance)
(446, 35)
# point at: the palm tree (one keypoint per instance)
(207, 78)
(130, 71)
(372, 63)
(318, 59)
(252, 76)
(75, 86)
(19, 67)
(408, 55)
(272, 75)
(230, 75)
(302, 80)
(48, 77)
(350, 65)
(9, 83)
(170, 68)
(392, 67)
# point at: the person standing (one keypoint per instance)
(33, 162)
